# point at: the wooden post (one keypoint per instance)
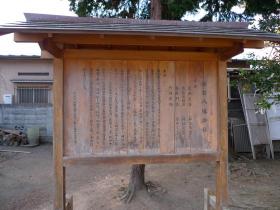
(206, 199)
(59, 170)
(222, 162)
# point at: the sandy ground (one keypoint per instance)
(26, 183)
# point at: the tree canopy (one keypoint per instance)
(265, 76)
(215, 10)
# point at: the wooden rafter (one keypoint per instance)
(51, 47)
(230, 52)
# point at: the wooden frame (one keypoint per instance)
(222, 163)
(59, 170)
(153, 159)
(62, 162)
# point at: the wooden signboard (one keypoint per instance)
(139, 107)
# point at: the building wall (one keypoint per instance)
(9, 68)
(28, 116)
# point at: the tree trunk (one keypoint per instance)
(155, 9)
(137, 176)
(136, 182)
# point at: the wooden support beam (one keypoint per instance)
(151, 159)
(257, 44)
(51, 47)
(29, 37)
(222, 162)
(59, 170)
(230, 52)
(140, 40)
(141, 54)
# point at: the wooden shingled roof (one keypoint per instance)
(41, 23)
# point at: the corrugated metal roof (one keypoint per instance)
(40, 23)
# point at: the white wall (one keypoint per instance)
(9, 69)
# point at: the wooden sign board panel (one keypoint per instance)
(137, 107)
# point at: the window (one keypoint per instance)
(33, 73)
(33, 94)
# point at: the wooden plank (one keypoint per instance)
(139, 55)
(195, 106)
(210, 101)
(59, 170)
(96, 110)
(222, 170)
(119, 103)
(141, 40)
(182, 113)
(167, 107)
(151, 106)
(107, 106)
(77, 125)
(135, 109)
(123, 91)
(144, 159)
(89, 82)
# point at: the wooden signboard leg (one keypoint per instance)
(222, 162)
(59, 170)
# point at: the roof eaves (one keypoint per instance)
(22, 57)
(210, 34)
(32, 17)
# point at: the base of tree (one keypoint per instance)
(137, 183)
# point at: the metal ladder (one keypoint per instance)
(256, 123)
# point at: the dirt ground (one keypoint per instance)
(26, 183)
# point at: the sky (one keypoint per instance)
(13, 10)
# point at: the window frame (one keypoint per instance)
(33, 87)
